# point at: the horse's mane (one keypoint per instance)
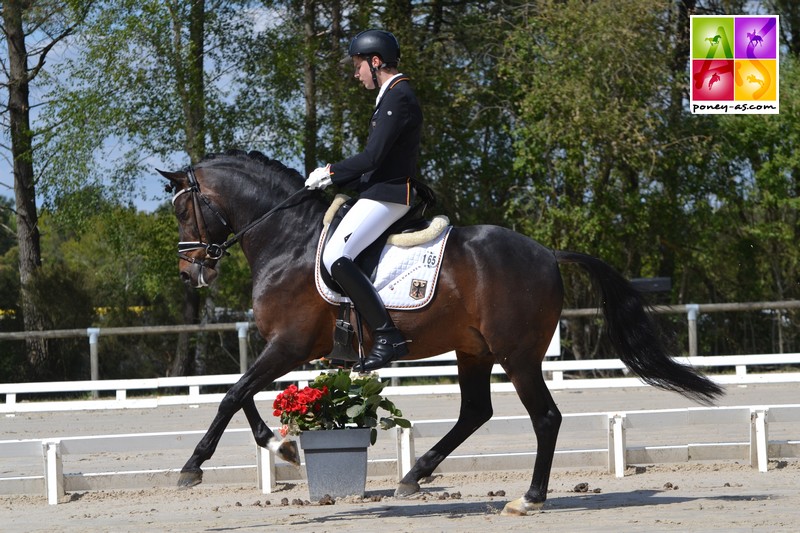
(252, 161)
(257, 164)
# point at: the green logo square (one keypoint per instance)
(712, 37)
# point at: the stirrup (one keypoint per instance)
(390, 345)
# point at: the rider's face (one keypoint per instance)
(362, 72)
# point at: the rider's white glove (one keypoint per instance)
(319, 178)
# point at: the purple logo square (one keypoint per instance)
(756, 37)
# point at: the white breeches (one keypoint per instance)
(360, 227)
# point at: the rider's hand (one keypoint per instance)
(319, 178)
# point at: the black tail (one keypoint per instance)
(636, 337)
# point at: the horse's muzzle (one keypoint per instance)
(197, 275)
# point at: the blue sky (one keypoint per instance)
(152, 185)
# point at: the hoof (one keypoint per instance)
(406, 489)
(285, 449)
(190, 478)
(289, 452)
(521, 507)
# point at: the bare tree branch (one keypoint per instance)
(43, 54)
(56, 39)
(9, 230)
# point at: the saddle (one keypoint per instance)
(412, 261)
(411, 230)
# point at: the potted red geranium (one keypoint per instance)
(348, 404)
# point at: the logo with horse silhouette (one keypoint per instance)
(734, 64)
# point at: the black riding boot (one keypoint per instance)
(388, 342)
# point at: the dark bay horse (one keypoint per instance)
(499, 300)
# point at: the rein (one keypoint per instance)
(215, 251)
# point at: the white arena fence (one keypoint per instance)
(724, 369)
(693, 313)
(265, 472)
(613, 428)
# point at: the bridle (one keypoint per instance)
(213, 252)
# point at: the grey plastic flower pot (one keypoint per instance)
(336, 462)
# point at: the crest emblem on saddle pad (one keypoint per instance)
(418, 289)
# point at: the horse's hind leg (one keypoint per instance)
(546, 418)
(476, 409)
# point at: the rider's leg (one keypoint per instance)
(364, 223)
(388, 342)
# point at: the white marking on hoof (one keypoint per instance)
(274, 444)
(286, 449)
(521, 507)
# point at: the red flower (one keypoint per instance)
(297, 407)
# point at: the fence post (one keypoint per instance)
(242, 328)
(616, 444)
(265, 466)
(94, 361)
(53, 471)
(759, 439)
(692, 310)
(405, 451)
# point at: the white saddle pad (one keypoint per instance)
(406, 276)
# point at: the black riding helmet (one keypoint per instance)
(379, 43)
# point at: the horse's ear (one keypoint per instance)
(176, 179)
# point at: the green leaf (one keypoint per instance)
(355, 411)
(372, 388)
(341, 381)
(403, 423)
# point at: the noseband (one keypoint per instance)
(213, 252)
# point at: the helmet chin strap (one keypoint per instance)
(374, 71)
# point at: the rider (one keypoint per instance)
(382, 174)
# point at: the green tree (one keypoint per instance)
(31, 30)
(450, 52)
(149, 82)
(156, 78)
(620, 169)
(124, 262)
(589, 129)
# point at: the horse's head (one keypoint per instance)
(202, 228)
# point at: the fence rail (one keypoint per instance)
(615, 457)
(614, 428)
(692, 312)
(727, 370)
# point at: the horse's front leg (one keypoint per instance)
(476, 409)
(285, 449)
(191, 473)
(239, 396)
